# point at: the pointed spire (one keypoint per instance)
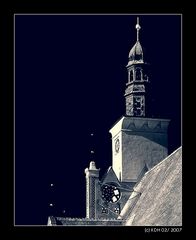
(138, 28)
(136, 53)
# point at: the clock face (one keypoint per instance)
(117, 145)
(110, 193)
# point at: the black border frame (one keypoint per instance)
(7, 95)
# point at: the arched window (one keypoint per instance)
(141, 74)
(138, 74)
(131, 76)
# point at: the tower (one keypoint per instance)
(92, 179)
(138, 82)
(138, 141)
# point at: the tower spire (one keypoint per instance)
(137, 85)
(138, 28)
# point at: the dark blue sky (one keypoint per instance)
(70, 75)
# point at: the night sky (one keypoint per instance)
(70, 76)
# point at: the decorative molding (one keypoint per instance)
(145, 124)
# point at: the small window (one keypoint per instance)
(117, 210)
(138, 74)
(131, 76)
(104, 210)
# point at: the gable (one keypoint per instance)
(110, 177)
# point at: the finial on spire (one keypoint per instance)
(138, 28)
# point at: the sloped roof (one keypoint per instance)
(157, 198)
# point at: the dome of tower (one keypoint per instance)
(136, 53)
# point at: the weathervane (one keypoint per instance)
(138, 28)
